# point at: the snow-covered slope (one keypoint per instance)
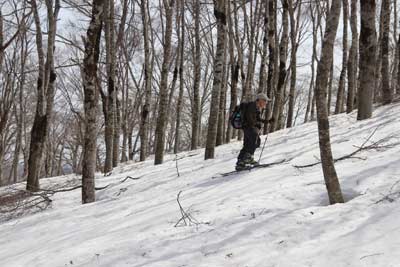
(276, 216)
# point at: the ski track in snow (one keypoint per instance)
(277, 216)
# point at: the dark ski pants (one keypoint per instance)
(251, 141)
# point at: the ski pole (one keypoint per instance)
(262, 150)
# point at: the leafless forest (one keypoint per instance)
(87, 85)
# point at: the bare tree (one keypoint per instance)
(109, 101)
(45, 91)
(181, 79)
(91, 90)
(367, 59)
(339, 108)
(148, 73)
(294, 31)
(220, 15)
(196, 77)
(162, 110)
(352, 62)
(328, 167)
(279, 97)
(387, 94)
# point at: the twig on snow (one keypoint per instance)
(186, 219)
(371, 255)
(176, 164)
(373, 146)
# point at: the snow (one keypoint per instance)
(278, 216)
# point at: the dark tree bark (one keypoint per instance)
(387, 94)
(222, 104)
(91, 92)
(181, 81)
(398, 67)
(331, 179)
(109, 100)
(197, 76)
(367, 59)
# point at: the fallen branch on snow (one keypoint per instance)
(378, 145)
(20, 200)
(186, 219)
(391, 196)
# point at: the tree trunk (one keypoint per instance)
(279, 98)
(162, 111)
(339, 108)
(330, 86)
(331, 179)
(398, 67)
(235, 68)
(197, 76)
(46, 90)
(272, 60)
(144, 123)
(179, 105)
(262, 88)
(352, 62)
(311, 94)
(91, 94)
(294, 29)
(387, 95)
(220, 15)
(367, 59)
(222, 105)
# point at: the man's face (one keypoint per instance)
(261, 103)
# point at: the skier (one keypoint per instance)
(251, 125)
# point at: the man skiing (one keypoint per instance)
(251, 125)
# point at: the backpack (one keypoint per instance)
(237, 116)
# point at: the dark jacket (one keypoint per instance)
(252, 116)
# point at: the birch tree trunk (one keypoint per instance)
(367, 59)
(331, 179)
(220, 15)
(91, 96)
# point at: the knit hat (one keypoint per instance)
(262, 96)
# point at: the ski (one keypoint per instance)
(249, 168)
